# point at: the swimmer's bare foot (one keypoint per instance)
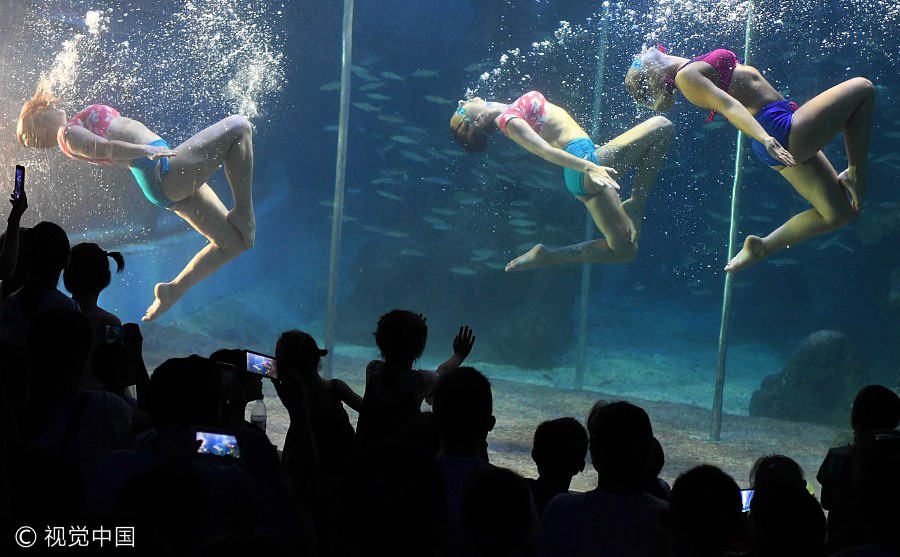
(166, 296)
(849, 180)
(535, 258)
(752, 252)
(245, 224)
(636, 215)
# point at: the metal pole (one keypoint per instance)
(581, 357)
(338, 212)
(716, 427)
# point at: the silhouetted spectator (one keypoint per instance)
(618, 517)
(394, 390)
(463, 412)
(393, 504)
(82, 426)
(85, 277)
(297, 352)
(876, 490)
(558, 450)
(705, 509)
(777, 470)
(119, 365)
(497, 515)
(656, 486)
(875, 409)
(44, 255)
(786, 521)
(249, 384)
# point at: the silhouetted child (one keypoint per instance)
(876, 410)
(705, 508)
(394, 390)
(656, 486)
(559, 450)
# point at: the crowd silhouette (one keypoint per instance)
(89, 434)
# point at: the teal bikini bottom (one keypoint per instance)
(144, 171)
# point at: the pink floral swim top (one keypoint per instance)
(531, 107)
(96, 119)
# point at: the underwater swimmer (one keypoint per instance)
(784, 136)
(174, 179)
(548, 131)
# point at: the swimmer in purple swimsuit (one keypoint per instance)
(786, 137)
(548, 131)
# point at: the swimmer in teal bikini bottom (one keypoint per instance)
(144, 171)
(583, 148)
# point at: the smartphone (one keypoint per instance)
(261, 364)
(20, 182)
(113, 333)
(217, 443)
(746, 497)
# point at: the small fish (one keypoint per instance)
(522, 223)
(452, 152)
(639, 286)
(441, 226)
(844, 247)
(437, 100)
(782, 261)
(390, 119)
(413, 156)
(438, 180)
(443, 212)
(395, 234)
(714, 125)
(759, 218)
(330, 86)
(411, 253)
(521, 203)
(433, 220)
(893, 135)
(517, 214)
(484, 253)
(424, 73)
(403, 139)
(372, 86)
(494, 265)
(475, 66)
(367, 107)
(717, 216)
(388, 195)
(525, 231)
(394, 172)
(829, 242)
(466, 199)
(462, 271)
(414, 129)
(384, 180)
(702, 292)
(327, 203)
(370, 228)
(378, 96)
(438, 155)
(391, 75)
(331, 128)
(525, 247)
(362, 73)
(505, 178)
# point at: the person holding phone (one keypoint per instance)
(173, 179)
(9, 254)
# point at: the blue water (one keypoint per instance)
(434, 229)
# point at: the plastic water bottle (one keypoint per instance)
(258, 414)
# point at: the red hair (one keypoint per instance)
(42, 100)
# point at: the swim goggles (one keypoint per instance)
(462, 112)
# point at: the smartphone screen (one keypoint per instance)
(219, 444)
(746, 497)
(20, 182)
(261, 365)
(113, 333)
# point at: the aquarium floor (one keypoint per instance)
(682, 429)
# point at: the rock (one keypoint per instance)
(894, 291)
(817, 384)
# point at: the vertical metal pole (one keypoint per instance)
(338, 212)
(716, 427)
(581, 357)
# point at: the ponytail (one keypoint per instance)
(117, 257)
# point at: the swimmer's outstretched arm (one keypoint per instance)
(702, 92)
(521, 133)
(84, 143)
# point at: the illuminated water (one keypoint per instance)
(429, 228)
